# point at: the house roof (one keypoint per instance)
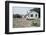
(36, 10)
(33, 11)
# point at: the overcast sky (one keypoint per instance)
(21, 10)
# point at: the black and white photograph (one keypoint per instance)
(24, 17)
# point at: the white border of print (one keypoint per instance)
(11, 29)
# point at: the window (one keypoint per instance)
(31, 15)
(36, 15)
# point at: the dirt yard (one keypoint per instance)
(22, 22)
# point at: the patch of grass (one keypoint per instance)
(34, 24)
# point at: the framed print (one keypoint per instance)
(24, 17)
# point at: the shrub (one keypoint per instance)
(34, 23)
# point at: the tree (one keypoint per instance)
(17, 16)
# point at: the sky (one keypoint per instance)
(21, 10)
